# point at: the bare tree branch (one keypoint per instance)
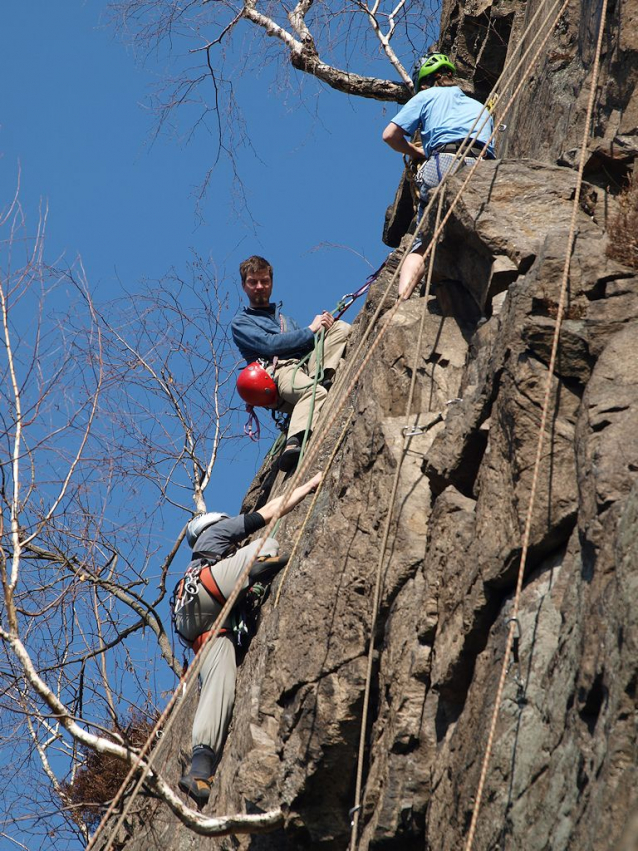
(304, 57)
(111, 422)
(219, 826)
(384, 38)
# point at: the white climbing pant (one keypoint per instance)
(429, 175)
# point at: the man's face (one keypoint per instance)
(258, 287)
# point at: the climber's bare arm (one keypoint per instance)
(394, 136)
(276, 506)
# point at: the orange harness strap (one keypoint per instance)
(199, 641)
(208, 581)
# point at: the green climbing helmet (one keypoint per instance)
(430, 64)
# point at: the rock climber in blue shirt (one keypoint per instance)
(445, 117)
(261, 332)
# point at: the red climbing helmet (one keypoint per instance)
(256, 387)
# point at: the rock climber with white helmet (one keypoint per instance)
(198, 599)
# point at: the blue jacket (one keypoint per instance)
(257, 334)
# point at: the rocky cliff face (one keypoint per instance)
(547, 121)
(564, 772)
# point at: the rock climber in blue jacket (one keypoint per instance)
(445, 116)
(261, 332)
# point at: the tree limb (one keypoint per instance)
(304, 57)
(384, 39)
(205, 826)
(145, 611)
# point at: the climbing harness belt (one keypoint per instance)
(187, 590)
(188, 587)
(243, 616)
(202, 639)
(208, 581)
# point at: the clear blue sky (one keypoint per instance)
(74, 114)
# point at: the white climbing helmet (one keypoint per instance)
(201, 522)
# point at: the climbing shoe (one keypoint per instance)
(267, 568)
(198, 788)
(197, 781)
(289, 458)
(328, 378)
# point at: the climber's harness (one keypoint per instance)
(197, 645)
(476, 150)
(424, 176)
(187, 588)
(244, 615)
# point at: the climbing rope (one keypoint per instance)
(513, 620)
(341, 393)
(431, 251)
(347, 386)
(434, 194)
(315, 497)
(356, 809)
(350, 368)
(277, 445)
(345, 302)
(317, 377)
(335, 399)
(143, 762)
(252, 428)
(459, 154)
(165, 721)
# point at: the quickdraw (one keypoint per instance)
(185, 590)
(252, 427)
(349, 298)
(246, 615)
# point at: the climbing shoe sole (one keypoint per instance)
(197, 788)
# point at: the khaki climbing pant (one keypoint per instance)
(296, 388)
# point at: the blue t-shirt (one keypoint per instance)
(444, 114)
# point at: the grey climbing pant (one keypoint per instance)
(219, 668)
(217, 696)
